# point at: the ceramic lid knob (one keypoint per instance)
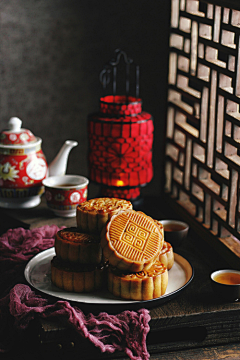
(15, 124)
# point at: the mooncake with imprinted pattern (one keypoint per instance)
(92, 215)
(144, 285)
(131, 241)
(74, 246)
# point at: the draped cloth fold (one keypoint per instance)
(126, 331)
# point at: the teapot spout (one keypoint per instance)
(59, 165)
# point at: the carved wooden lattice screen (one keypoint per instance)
(203, 119)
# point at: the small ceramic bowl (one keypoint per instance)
(175, 232)
(64, 193)
(226, 284)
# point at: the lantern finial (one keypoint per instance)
(113, 68)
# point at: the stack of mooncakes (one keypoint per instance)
(132, 243)
(79, 265)
(116, 245)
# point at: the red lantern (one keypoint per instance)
(120, 146)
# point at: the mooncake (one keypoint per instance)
(77, 278)
(131, 241)
(144, 285)
(74, 246)
(159, 224)
(166, 255)
(92, 215)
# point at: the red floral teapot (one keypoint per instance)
(23, 166)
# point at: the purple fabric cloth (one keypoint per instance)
(17, 247)
(126, 331)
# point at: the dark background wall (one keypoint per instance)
(51, 54)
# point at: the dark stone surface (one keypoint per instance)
(51, 54)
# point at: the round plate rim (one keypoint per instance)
(127, 305)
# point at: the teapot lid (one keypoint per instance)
(15, 135)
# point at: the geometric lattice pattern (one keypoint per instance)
(203, 118)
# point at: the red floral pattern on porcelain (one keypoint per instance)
(65, 199)
(64, 193)
(23, 165)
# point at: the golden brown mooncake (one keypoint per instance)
(131, 241)
(166, 255)
(159, 224)
(92, 215)
(144, 285)
(74, 246)
(77, 278)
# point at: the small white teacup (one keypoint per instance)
(64, 193)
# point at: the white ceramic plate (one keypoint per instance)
(38, 274)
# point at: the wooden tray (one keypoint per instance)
(195, 318)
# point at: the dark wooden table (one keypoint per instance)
(194, 325)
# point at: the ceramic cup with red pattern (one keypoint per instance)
(64, 193)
